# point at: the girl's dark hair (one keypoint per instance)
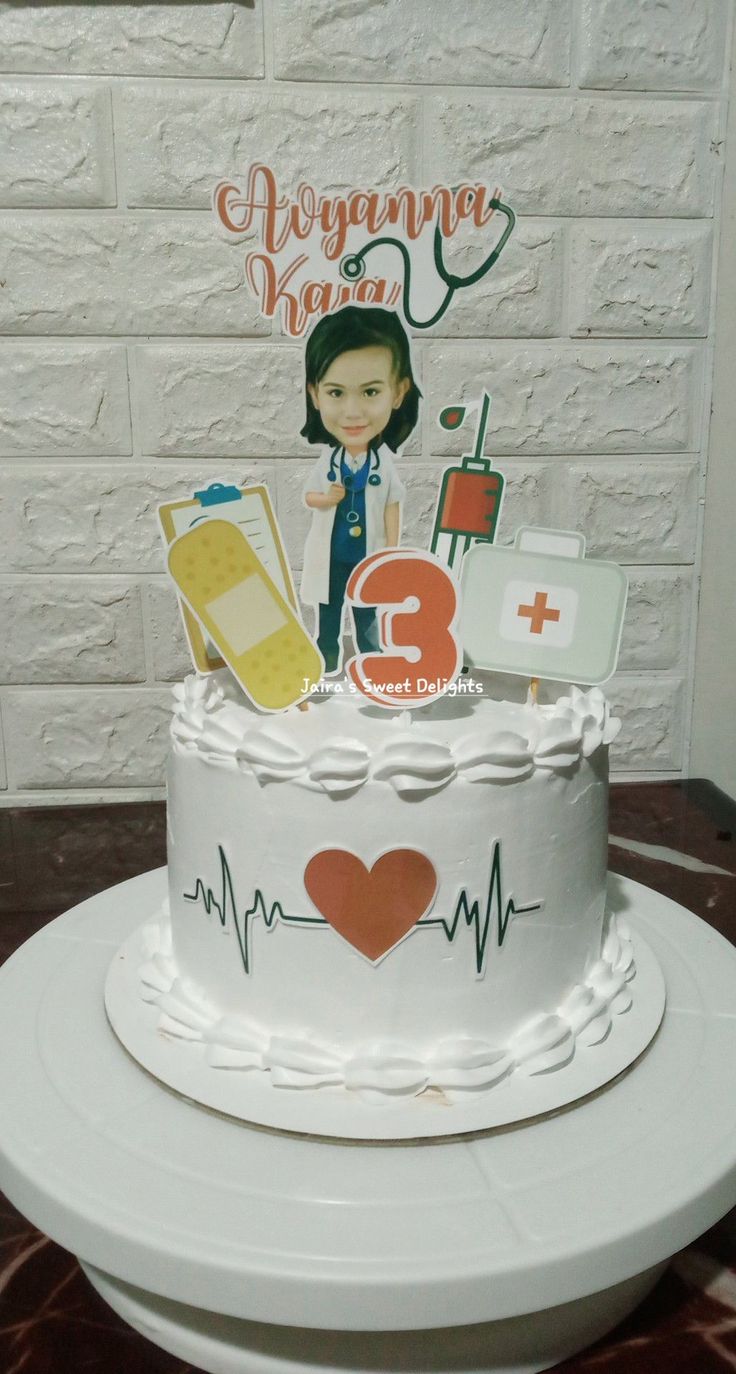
(348, 329)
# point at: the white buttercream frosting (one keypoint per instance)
(384, 1068)
(338, 745)
(512, 970)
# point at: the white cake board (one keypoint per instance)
(334, 1111)
(218, 1239)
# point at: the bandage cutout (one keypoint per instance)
(249, 508)
(255, 629)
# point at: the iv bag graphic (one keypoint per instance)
(470, 500)
(471, 494)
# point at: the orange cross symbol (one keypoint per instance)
(538, 613)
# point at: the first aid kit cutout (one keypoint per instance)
(541, 608)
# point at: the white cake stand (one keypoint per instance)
(246, 1251)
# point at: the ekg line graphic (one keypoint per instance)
(483, 920)
(480, 916)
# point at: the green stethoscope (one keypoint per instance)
(373, 476)
(352, 267)
(355, 482)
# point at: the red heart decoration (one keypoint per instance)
(371, 908)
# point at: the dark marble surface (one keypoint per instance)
(51, 1320)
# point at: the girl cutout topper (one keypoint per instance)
(362, 403)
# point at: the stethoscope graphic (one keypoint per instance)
(374, 465)
(355, 482)
(352, 267)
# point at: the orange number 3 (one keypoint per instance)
(418, 604)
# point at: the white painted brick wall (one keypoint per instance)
(636, 512)
(175, 141)
(640, 279)
(116, 275)
(163, 40)
(655, 630)
(97, 518)
(133, 366)
(171, 658)
(653, 45)
(653, 711)
(576, 156)
(3, 768)
(71, 629)
(564, 399)
(64, 398)
(57, 145)
(229, 399)
(424, 41)
(87, 738)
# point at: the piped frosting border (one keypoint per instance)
(551, 738)
(385, 1070)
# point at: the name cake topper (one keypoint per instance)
(311, 249)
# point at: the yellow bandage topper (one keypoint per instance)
(249, 507)
(225, 585)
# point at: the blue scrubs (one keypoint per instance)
(347, 549)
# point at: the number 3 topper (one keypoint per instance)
(418, 604)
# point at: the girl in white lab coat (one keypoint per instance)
(362, 403)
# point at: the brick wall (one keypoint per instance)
(133, 366)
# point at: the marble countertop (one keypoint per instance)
(677, 838)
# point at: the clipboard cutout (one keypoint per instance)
(250, 509)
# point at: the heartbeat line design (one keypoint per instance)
(471, 912)
(481, 918)
(227, 905)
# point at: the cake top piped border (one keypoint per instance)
(341, 743)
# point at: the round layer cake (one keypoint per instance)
(389, 901)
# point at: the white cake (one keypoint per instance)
(376, 982)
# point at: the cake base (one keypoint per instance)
(235, 1236)
(335, 1112)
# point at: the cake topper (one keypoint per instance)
(226, 586)
(250, 509)
(420, 653)
(362, 403)
(307, 256)
(312, 249)
(470, 497)
(541, 609)
(537, 609)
